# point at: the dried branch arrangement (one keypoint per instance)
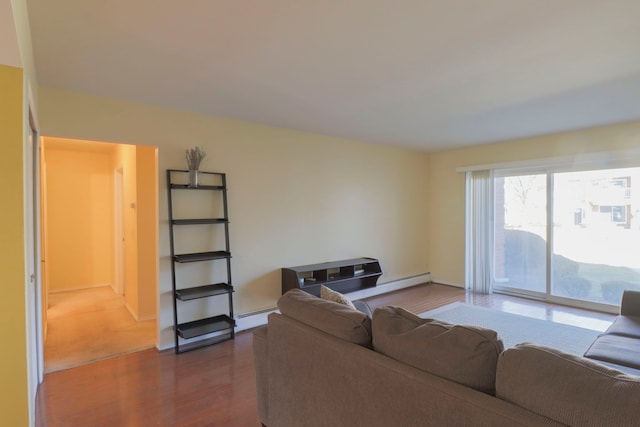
(194, 157)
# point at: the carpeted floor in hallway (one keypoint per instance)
(88, 325)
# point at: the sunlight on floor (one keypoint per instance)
(556, 314)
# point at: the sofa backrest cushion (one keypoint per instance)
(331, 317)
(467, 355)
(567, 388)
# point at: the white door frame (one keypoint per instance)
(44, 252)
(33, 284)
(118, 199)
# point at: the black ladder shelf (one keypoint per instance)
(220, 327)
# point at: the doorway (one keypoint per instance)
(100, 285)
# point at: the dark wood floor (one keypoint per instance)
(215, 386)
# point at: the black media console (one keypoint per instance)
(343, 276)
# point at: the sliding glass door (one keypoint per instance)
(567, 236)
(596, 234)
(520, 233)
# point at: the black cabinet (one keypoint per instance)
(343, 276)
(220, 326)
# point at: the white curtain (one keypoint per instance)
(479, 231)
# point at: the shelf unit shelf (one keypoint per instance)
(199, 187)
(201, 256)
(205, 291)
(343, 276)
(213, 329)
(205, 326)
(200, 221)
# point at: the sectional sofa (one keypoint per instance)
(321, 363)
(620, 343)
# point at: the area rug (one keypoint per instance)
(515, 329)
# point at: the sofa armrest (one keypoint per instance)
(630, 305)
(261, 358)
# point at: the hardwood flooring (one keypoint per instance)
(215, 386)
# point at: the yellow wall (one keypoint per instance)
(13, 369)
(294, 197)
(147, 226)
(299, 198)
(447, 187)
(79, 195)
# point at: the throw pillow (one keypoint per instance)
(331, 295)
(467, 355)
(335, 319)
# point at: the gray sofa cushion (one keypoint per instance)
(570, 389)
(331, 317)
(630, 305)
(467, 355)
(617, 349)
(625, 325)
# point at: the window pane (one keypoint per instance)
(596, 234)
(520, 233)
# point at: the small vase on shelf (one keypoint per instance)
(194, 157)
(193, 178)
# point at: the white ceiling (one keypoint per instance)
(9, 50)
(427, 74)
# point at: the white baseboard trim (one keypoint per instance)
(253, 320)
(130, 310)
(259, 318)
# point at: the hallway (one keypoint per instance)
(93, 324)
